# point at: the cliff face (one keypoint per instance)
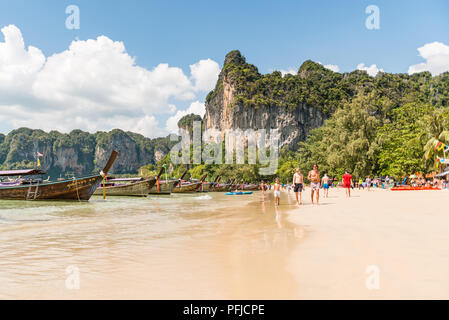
(79, 153)
(223, 113)
(295, 104)
(226, 108)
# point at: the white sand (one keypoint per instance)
(404, 234)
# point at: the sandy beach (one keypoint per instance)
(401, 236)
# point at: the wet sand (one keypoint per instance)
(401, 236)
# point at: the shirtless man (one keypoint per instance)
(277, 192)
(298, 185)
(325, 183)
(314, 177)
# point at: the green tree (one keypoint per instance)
(434, 129)
(346, 141)
(400, 153)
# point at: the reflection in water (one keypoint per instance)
(182, 246)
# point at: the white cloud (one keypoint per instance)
(372, 70)
(332, 67)
(93, 85)
(436, 55)
(18, 66)
(289, 71)
(196, 107)
(293, 71)
(205, 74)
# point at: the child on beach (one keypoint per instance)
(325, 183)
(277, 192)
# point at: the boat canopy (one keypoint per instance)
(28, 172)
(125, 179)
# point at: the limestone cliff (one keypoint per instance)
(244, 99)
(79, 153)
(234, 104)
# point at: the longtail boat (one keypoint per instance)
(189, 187)
(207, 186)
(166, 187)
(221, 187)
(253, 187)
(80, 189)
(132, 187)
(245, 186)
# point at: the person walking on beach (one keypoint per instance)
(314, 177)
(347, 182)
(368, 183)
(277, 192)
(298, 184)
(262, 187)
(325, 182)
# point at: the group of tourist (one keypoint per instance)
(325, 182)
(316, 183)
(421, 182)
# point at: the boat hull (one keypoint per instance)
(75, 189)
(221, 188)
(136, 189)
(164, 188)
(187, 188)
(252, 187)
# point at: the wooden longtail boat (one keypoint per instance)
(189, 187)
(138, 187)
(208, 186)
(166, 187)
(221, 187)
(80, 189)
(253, 187)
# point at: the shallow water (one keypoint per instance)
(183, 246)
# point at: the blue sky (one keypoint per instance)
(271, 34)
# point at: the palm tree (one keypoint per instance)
(435, 128)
